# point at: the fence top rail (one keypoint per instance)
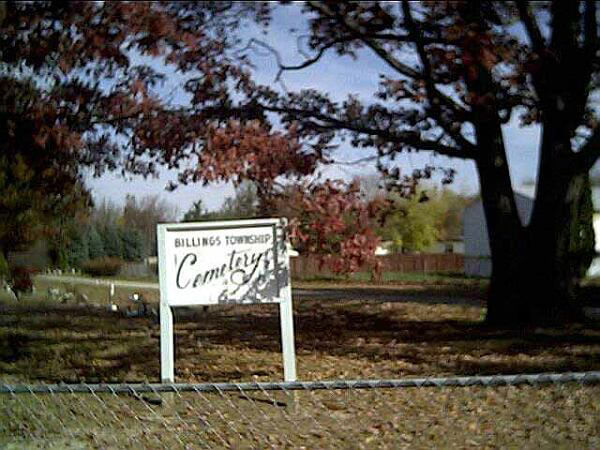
(592, 377)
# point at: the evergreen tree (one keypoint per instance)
(111, 239)
(132, 244)
(95, 243)
(196, 212)
(77, 250)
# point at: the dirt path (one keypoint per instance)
(413, 293)
(98, 281)
(425, 296)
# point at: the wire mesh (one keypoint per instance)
(547, 410)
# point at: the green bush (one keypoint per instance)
(105, 267)
(4, 270)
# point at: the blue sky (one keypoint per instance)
(339, 77)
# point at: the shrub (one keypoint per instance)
(104, 266)
(20, 279)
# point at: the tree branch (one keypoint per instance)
(531, 26)
(356, 162)
(400, 67)
(590, 31)
(393, 62)
(406, 38)
(430, 89)
(308, 62)
(590, 152)
(409, 138)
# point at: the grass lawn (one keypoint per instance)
(51, 342)
(403, 336)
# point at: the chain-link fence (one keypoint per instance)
(543, 410)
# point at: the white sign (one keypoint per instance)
(215, 263)
(210, 263)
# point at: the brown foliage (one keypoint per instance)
(102, 267)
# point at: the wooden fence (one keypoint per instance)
(308, 266)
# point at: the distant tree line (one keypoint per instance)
(93, 242)
(412, 224)
(245, 204)
(105, 230)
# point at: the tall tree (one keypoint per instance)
(40, 185)
(111, 240)
(245, 204)
(133, 244)
(452, 205)
(95, 243)
(144, 214)
(411, 229)
(76, 93)
(458, 71)
(416, 223)
(196, 212)
(77, 249)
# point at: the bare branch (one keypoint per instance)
(590, 30)
(533, 31)
(408, 138)
(407, 38)
(283, 67)
(359, 161)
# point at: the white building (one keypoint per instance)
(594, 270)
(455, 245)
(477, 248)
(384, 248)
(448, 246)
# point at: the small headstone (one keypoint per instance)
(53, 294)
(10, 292)
(67, 296)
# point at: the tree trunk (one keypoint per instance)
(506, 303)
(536, 268)
(535, 279)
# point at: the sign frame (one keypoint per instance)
(278, 225)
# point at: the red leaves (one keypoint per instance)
(334, 221)
(64, 65)
(41, 138)
(138, 86)
(238, 151)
